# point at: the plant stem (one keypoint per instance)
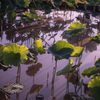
(68, 83)
(18, 74)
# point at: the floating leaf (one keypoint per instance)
(97, 63)
(13, 88)
(65, 69)
(95, 38)
(39, 46)
(77, 51)
(15, 54)
(75, 29)
(91, 71)
(94, 88)
(61, 49)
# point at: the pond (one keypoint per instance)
(37, 78)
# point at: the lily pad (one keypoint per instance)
(77, 51)
(91, 71)
(39, 46)
(15, 54)
(13, 88)
(97, 63)
(95, 38)
(75, 29)
(66, 69)
(94, 88)
(61, 50)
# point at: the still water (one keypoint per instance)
(37, 78)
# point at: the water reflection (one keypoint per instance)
(32, 70)
(50, 30)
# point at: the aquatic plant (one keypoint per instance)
(39, 46)
(94, 87)
(75, 29)
(95, 38)
(13, 88)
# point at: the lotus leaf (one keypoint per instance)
(73, 32)
(24, 3)
(75, 29)
(1, 51)
(15, 54)
(94, 88)
(95, 38)
(39, 46)
(61, 49)
(77, 51)
(91, 71)
(74, 67)
(66, 69)
(97, 63)
(13, 88)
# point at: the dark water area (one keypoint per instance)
(37, 78)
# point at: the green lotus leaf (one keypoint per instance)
(75, 29)
(1, 52)
(39, 46)
(97, 63)
(77, 51)
(74, 32)
(91, 71)
(74, 67)
(61, 49)
(15, 54)
(23, 3)
(95, 38)
(66, 69)
(94, 87)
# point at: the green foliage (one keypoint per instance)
(94, 88)
(91, 71)
(71, 3)
(97, 63)
(61, 49)
(75, 29)
(1, 51)
(23, 3)
(15, 54)
(39, 46)
(77, 51)
(30, 16)
(95, 38)
(74, 67)
(66, 69)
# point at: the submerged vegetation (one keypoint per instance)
(14, 55)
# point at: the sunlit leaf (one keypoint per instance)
(1, 51)
(97, 63)
(94, 88)
(15, 54)
(95, 38)
(66, 69)
(91, 71)
(39, 46)
(13, 88)
(61, 49)
(77, 51)
(75, 29)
